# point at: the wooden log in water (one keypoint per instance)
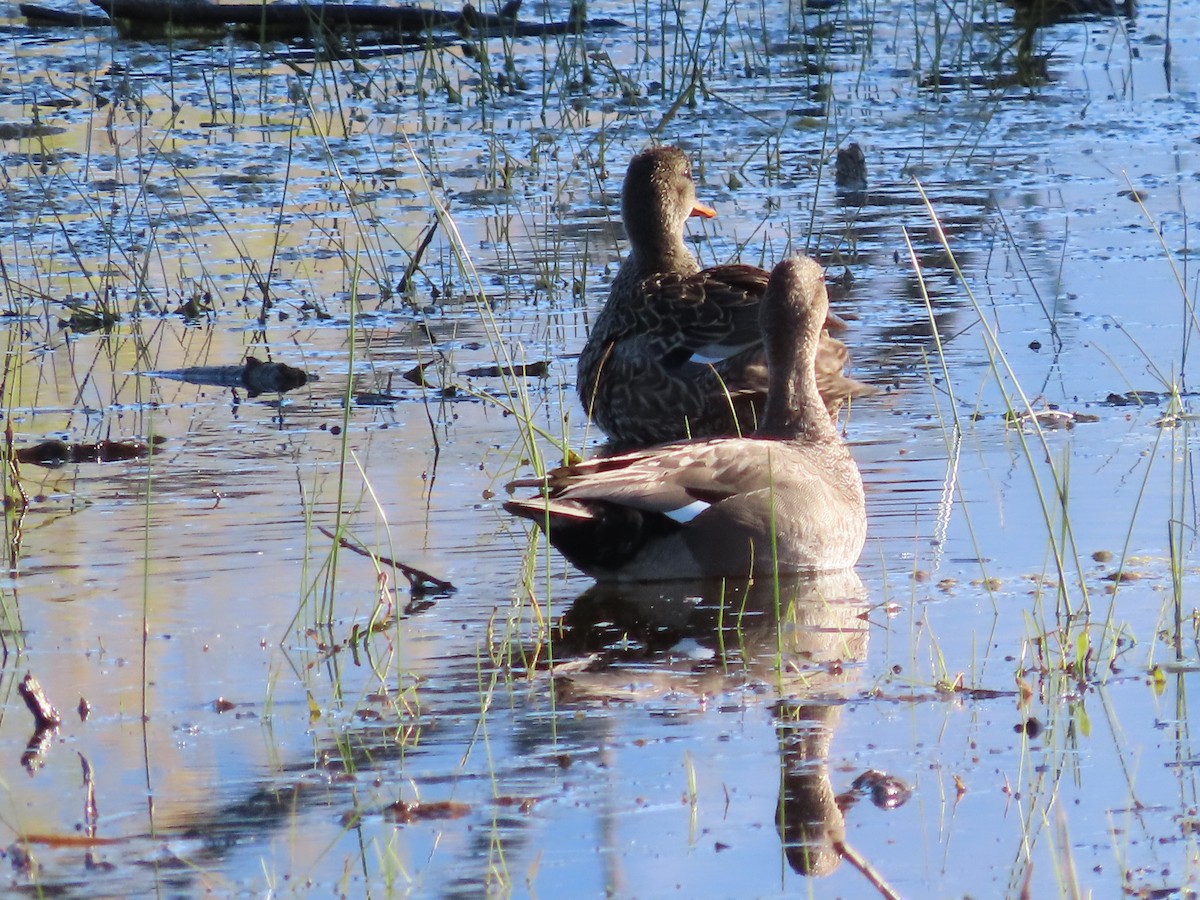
(37, 14)
(201, 13)
(300, 17)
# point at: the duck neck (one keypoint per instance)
(795, 410)
(659, 250)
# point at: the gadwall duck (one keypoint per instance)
(787, 499)
(676, 352)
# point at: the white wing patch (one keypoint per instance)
(686, 513)
(711, 354)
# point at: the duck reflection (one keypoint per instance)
(811, 823)
(798, 639)
(693, 636)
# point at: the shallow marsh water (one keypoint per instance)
(682, 749)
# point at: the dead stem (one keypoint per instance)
(419, 582)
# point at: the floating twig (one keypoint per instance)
(419, 581)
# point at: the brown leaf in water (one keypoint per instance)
(1124, 576)
(404, 812)
(524, 804)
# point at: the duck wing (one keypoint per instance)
(704, 317)
(833, 383)
(746, 374)
(679, 481)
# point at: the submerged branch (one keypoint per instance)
(419, 581)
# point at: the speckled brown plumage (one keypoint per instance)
(676, 351)
(787, 499)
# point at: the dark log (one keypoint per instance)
(200, 13)
(306, 17)
(54, 452)
(49, 15)
(45, 716)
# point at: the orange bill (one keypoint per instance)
(703, 209)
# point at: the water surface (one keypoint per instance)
(261, 737)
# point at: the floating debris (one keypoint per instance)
(1036, 13)
(417, 374)
(404, 812)
(376, 398)
(1174, 420)
(256, 377)
(277, 20)
(1050, 417)
(531, 370)
(23, 131)
(886, 791)
(850, 173)
(85, 321)
(44, 714)
(54, 452)
(419, 582)
(1135, 398)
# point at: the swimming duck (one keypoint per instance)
(676, 352)
(789, 498)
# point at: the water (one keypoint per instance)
(246, 746)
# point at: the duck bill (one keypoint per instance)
(703, 210)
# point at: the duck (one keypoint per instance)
(676, 351)
(786, 499)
